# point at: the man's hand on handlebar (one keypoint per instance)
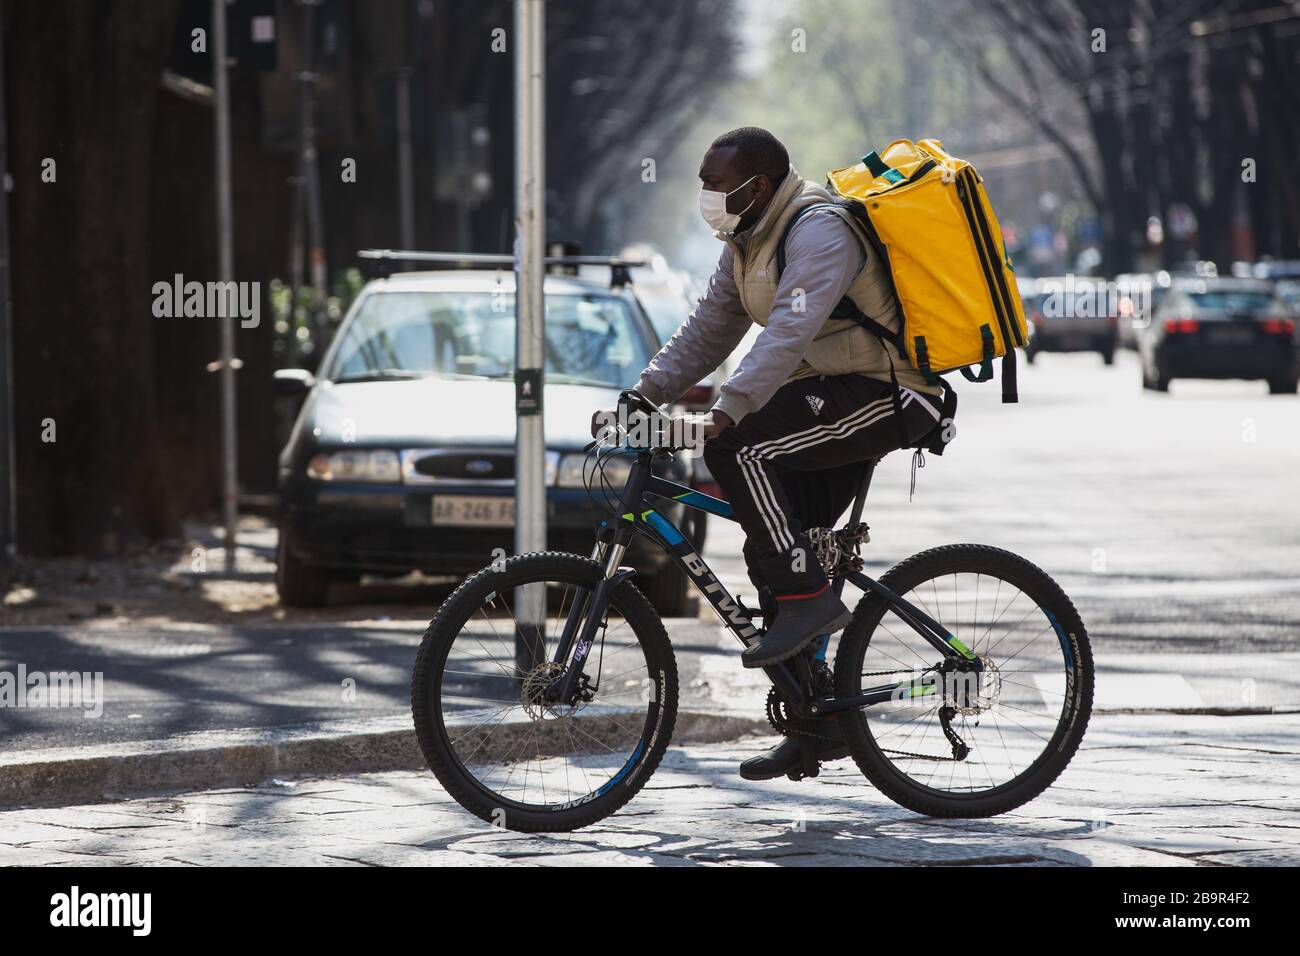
(712, 423)
(601, 419)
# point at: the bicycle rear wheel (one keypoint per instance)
(1023, 722)
(498, 747)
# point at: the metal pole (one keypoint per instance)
(311, 175)
(296, 253)
(8, 479)
(405, 174)
(530, 242)
(226, 269)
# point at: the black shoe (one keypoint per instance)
(800, 620)
(785, 758)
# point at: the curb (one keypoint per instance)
(241, 758)
(245, 758)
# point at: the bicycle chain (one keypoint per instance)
(907, 753)
(789, 726)
(796, 727)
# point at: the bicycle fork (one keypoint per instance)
(586, 616)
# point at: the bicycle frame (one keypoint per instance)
(637, 515)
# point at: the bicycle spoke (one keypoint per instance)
(516, 741)
(1007, 723)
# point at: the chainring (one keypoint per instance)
(786, 723)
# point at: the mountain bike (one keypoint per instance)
(544, 692)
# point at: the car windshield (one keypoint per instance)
(1231, 300)
(590, 339)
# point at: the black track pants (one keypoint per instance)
(795, 463)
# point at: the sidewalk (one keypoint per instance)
(194, 706)
(1144, 790)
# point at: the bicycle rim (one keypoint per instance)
(518, 750)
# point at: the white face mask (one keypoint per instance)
(713, 207)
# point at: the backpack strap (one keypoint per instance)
(879, 168)
(1009, 392)
(986, 366)
(846, 308)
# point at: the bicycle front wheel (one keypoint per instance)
(487, 729)
(1019, 723)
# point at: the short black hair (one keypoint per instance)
(757, 152)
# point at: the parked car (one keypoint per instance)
(1073, 314)
(402, 456)
(1219, 328)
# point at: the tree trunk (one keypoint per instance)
(82, 92)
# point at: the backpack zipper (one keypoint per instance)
(992, 267)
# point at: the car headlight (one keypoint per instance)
(615, 468)
(359, 465)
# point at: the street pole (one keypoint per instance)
(529, 265)
(405, 166)
(226, 270)
(310, 175)
(8, 479)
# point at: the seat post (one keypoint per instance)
(864, 484)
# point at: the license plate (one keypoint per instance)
(477, 511)
(1229, 336)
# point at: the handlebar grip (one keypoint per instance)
(638, 402)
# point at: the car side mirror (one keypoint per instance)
(293, 381)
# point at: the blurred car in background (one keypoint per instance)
(1195, 269)
(664, 292)
(1026, 285)
(1276, 270)
(1138, 295)
(402, 457)
(1288, 290)
(1072, 314)
(1219, 328)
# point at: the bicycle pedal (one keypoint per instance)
(810, 765)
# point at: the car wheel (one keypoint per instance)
(298, 584)
(1161, 381)
(667, 590)
(1284, 386)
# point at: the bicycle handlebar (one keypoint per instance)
(637, 402)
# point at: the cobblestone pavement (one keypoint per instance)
(1144, 790)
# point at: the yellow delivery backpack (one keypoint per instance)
(926, 213)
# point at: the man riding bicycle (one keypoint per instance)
(810, 402)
